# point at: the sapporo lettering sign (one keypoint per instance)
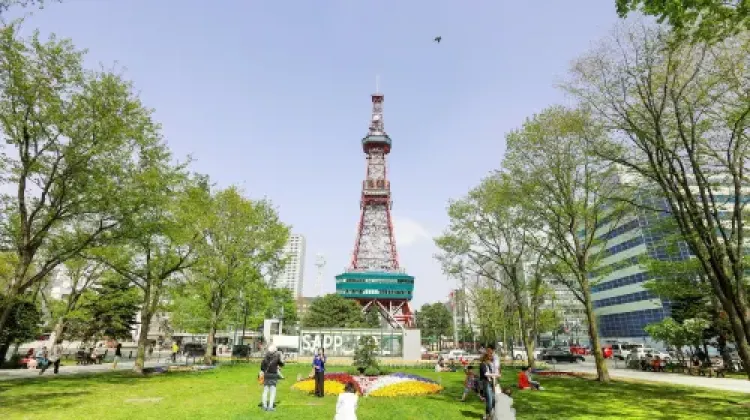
(342, 343)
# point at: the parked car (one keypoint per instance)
(620, 350)
(460, 355)
(555, 355)
(581, 350)
(194, 349)
(639, 353)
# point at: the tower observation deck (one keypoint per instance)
(374, 277)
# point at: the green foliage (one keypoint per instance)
(24, 322)
(435, 320)
(687, 333)
(78, 154)
(364, 355)
(111, 309)
(703, 20)
(282, 301)
(334, 311)
(6, 5)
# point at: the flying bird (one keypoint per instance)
(438, 39)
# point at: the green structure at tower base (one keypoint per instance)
(383, 285)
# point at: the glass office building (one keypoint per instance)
(621, 303)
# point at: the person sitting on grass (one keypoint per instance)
(470, 384)
(346, 406)
(526, 382)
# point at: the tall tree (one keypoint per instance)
(112, 308)
(23, 324)
(702, 20)
(281, 304)
(436, 321)
(490, 236)
(160, 243)
(678, 117)
(334, 311)
(570, 191)
(71, 141)
(242, 243)
(82, 274)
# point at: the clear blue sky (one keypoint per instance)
(274, 96)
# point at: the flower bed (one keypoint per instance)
(397, 384)
(407, 388)
(331, 387)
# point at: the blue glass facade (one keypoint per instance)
(638, 308)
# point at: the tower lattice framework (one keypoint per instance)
(374, 277)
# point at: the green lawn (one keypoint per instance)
(232, 392)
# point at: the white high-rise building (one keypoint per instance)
(292, 275)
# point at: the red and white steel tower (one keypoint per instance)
(374, 277)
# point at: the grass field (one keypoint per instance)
(232, 392)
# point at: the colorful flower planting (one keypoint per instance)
(394, 385)
(331, 387)
(406, 388)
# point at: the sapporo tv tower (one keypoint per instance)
(374, 278)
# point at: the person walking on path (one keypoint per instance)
(269, 372)
(118, 355)
(175, 349)
(55, 355)
(319, 364)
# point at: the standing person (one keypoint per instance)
(175, 349)
(55, 355)
(495, 360)
(319, 364)
(118, 355)
(346, 406)
(487, 380)
(269, 371)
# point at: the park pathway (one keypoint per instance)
(724, 384)
(9, 374)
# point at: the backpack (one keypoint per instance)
(270, 364)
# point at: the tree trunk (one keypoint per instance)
(150, 301)
(739, 336)
(602, 373)
(59, 329)
(210, 342)
(140, 358)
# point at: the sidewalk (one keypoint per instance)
(10, 374)
(723, 384)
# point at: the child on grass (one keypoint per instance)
(470, 384)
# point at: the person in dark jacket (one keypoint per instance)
(269, 370)
(319, 364)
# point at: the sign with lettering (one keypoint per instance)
(344, 343)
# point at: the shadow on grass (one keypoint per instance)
(58, 392)
(53, 400)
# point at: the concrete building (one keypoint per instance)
(293, 274)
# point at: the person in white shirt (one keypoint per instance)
(346, 406)
(503, 405)
(55, 355)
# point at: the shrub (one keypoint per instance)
(364, 356)
(372, 371)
